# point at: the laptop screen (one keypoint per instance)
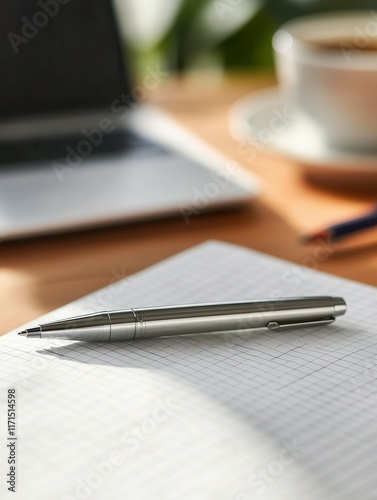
(58, 56)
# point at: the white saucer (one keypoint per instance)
(262, 121)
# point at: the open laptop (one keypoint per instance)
(78, 147)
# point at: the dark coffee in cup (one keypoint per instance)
(342, 44)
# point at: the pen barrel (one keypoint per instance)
(221, 317)
(193, 319)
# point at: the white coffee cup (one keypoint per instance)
(336, 88)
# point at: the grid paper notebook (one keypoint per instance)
(270, 415)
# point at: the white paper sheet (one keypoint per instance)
(271, 415)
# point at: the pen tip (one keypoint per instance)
(23, 333)
(307, 239)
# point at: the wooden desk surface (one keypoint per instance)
(39, 275)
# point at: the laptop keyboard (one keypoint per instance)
(54, 148)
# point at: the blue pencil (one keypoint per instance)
(339, 231)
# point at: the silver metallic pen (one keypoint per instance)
(130, 324)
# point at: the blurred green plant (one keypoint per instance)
(183, 35)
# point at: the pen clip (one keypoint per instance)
(275, 326)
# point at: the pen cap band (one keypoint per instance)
(122, 325)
